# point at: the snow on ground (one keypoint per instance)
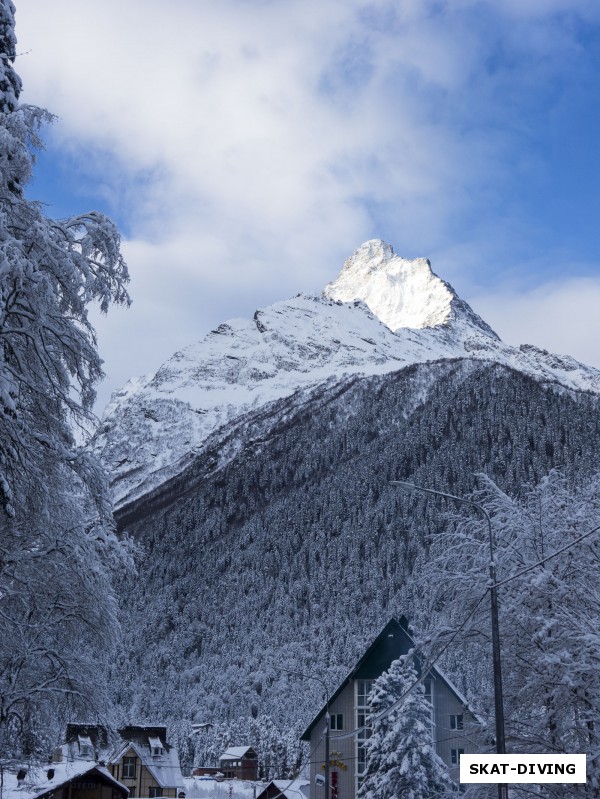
(206, 788)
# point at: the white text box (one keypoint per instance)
(522, 768)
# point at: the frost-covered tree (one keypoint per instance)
(548, 559)
(57, 546)
(401, 756)
(50, 271)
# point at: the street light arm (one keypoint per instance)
(411, 487)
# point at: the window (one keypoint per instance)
(132, 792)
(129, 769)
(85, 746)
(363, 689)
(428, 686)
(456, 722)
(337, 721)
(153, 792)
(455, 755)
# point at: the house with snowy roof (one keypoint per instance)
(285, 789)
(66, 779)
(239, 762)
(84, 742)
(146, 764)
(453, 725)
(236, 763)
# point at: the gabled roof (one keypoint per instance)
(288, 789)
(393, 641)
(37, 785)
(235, 752)
(165, 769)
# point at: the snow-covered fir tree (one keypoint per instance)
(401, 757)
(58, 553)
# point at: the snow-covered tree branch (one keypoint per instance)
(548, 554)
(58, 550)
(50, 272)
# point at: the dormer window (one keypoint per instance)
(85, 746)
(156, 747)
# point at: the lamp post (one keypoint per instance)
(497, 664)
(327, 721)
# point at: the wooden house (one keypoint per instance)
(67, 779)
(147, 764)
(236, 763)
(239, 763)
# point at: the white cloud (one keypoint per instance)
(561, 317)
(254, 145)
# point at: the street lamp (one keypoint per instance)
(497, 665)
(327, 721)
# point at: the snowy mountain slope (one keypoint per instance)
(381, 314)
(287, 519)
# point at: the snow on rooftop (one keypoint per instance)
(234, 752)
(292, 789)
(166, 770)
(155, 743)
(37, 783)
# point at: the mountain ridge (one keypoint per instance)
(154, 427)
(283, 542)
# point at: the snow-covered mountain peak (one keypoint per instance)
(382, 314)
(400, 292)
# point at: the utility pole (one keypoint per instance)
(327, 729)
(327, 721)
(496, 659)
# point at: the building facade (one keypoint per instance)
(147, 765)
(236, 763)
(453, 725)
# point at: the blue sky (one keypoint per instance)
(246, 148)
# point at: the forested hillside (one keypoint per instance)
(284, 547)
